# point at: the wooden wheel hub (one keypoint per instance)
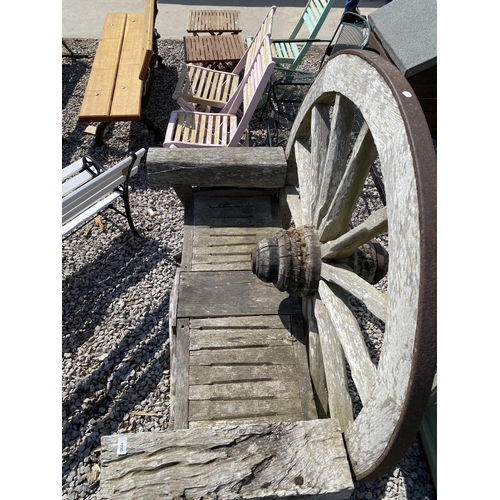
(291, 259)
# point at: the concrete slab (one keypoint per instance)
(408, 32)
(85, 19)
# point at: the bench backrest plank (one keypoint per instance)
(98, 95)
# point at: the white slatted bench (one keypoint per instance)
(88, 189)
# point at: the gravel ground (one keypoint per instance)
(116, 289)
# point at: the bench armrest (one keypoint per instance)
(262, 167)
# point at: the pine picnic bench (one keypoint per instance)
(122, 74)
(88, 189)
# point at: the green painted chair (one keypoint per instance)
(290, 52)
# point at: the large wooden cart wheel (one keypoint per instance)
(315, 259)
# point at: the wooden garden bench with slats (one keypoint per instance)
(122, 73)
(88, 189)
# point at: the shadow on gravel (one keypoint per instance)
(72, 72)
(101, 402)
(88, 293)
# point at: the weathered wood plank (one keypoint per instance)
(172, 329)
(261, 322)
(241, 391)
(374, 300)
(339, 205)
(179, 397)
(316, 365)
(248, 461)
(339, 400)
(335, 156)
(240, 373)
(187, 240)
(231, 236)
(232, 293)
(303, 155)
(320, 130)
(214, 411)
(239, 167)
(213, 339)
(282, 355)
(363, 370)
(226, 211)
(290, 206)
(302, 367)
(346, 244)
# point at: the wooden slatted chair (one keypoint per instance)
(201, 88)
(290, 52)
(188, 128)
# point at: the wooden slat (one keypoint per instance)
(246, 410)
(240, 293)
(91, 192)
(96, 104)
(179, 388)
(274, 389)
(315, 355)
(275, 460)
(127, 95)
(240, 373)
(302, 366)
(242, 323)
(256, 355)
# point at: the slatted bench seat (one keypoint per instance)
(243, 419)
(88, 188)
(122, 74)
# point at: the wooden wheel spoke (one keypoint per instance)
(320, 131)
(363, 370)
(346, 244)
(341, 275)
(336, 217)
(335, 371)
(315, 354)
(335, 156)
(303, 156)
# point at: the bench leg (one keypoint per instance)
(151, 126)
(128, 212)
(99, 134)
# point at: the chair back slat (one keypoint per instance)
(264, 30)
(255, 83)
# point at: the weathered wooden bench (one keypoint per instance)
(88, 189)
(276, 391)
(122, 74)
